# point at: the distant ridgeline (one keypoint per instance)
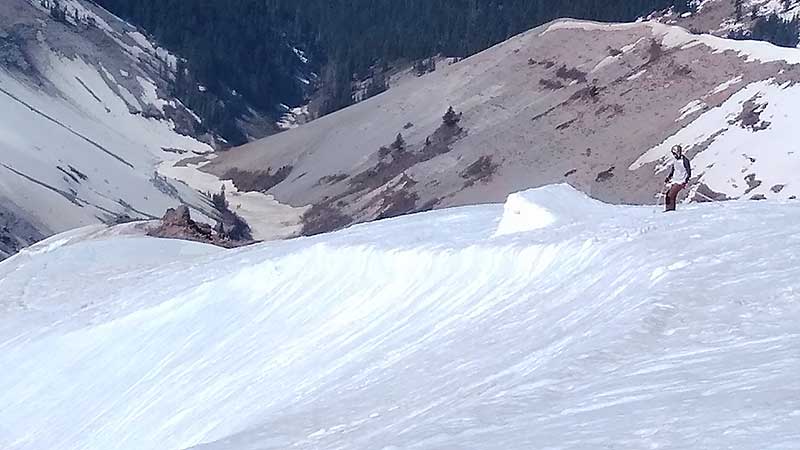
(268, 51)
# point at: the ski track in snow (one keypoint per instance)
(601, 327)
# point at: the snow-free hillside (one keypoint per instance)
(595, 105)
(88, 126)
(557, 322)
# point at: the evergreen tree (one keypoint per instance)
(261, 49)
(776, 30)
(450, 118)
(399, 143)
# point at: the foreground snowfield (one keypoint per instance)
(620, 328)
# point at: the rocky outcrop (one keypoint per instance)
(177, 223)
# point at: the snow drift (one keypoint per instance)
(550, 205)
(628, 329)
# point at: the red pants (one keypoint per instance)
(672, 196)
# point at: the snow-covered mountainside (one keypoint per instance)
(86, 123)
(595, 105)
(555, 322)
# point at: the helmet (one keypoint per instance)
(677, 150)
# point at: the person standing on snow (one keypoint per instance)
(679, 173)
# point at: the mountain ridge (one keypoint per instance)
(571, 101)
(423, 331)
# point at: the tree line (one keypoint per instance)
(251, 47)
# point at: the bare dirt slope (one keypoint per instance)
(572, 101)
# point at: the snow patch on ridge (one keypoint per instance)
(673, 36)
(416, 332)
(766, 151)
(546, 206)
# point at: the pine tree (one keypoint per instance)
(450, 118)
(399, 143)
(249, 46)
(776, 30)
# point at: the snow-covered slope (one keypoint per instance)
(87, 123)
(596, 105)
(718, 17)
(83, 120)
(631, 329)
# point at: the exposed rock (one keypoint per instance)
(15, 232)
(179, 217)
(551, 84)
(333, 179)
(481, 170)
(177, 223)
(704, 194)
(750, 117)
(605, 175)
(752, 183)
(572, 74)
(322, 219)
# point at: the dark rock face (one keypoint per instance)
(177, 223)
(15, 232)
(178, 217)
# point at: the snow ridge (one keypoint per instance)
(419, 332)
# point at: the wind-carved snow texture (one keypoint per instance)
(629, 329)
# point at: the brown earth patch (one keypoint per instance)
(323, 218)
(551, 84)
(393, 161)
(480, 170)
(260, 180)
(605, 175)
(566, 124)
(397, 202)
(588, 93)
(752, 183)
(332, 179)
(191, 160)
(750, 117)
(572, 74)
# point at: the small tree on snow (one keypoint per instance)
(450, 118)
(399, 143)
